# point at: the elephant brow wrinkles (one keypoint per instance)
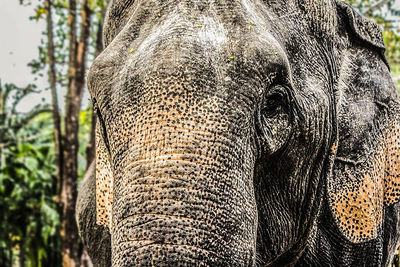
(201, 221)
(155, 243)
(138, 164)
(212, 197)
(219, 236)
(189, 131)
(161, 217)
(178, 201)
(195, 190)
(124, 221)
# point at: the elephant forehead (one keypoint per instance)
(320, 13)
(204, 43)
(221, 35)
(225, 67)
(214, 33)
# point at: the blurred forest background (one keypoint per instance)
(44, 152)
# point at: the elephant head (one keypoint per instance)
(227, 129)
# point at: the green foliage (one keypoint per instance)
(30, 220)
(28, 181)
(85, 127)
(392, 42)
(30, 223)
(11, 121)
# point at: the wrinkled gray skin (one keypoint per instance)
(229, 129)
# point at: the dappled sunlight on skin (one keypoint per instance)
(392, 164)
(359, 209)
(104, 180)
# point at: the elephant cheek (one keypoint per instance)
(183, 197)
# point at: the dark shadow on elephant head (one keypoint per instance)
(240, 132)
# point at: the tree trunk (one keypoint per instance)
(54, 99)
(22, 253)
(76, 78)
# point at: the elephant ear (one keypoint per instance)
(366, 171)
(364, 29)
(104, 181)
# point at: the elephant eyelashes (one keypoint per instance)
(273, 120)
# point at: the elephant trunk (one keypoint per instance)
(176, 208)
(183, 189)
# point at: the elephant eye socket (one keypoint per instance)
(274, 120)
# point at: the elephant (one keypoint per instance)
(242, 133)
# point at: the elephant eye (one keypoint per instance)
(272, 106)
(273, 125)
(274, 102)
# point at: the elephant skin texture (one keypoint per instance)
(242, 133)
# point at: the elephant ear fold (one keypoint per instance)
(362, 29)
(366, 171)
(104, 181)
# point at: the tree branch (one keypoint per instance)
(29, 117)
(375, 6)
(54, 99)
